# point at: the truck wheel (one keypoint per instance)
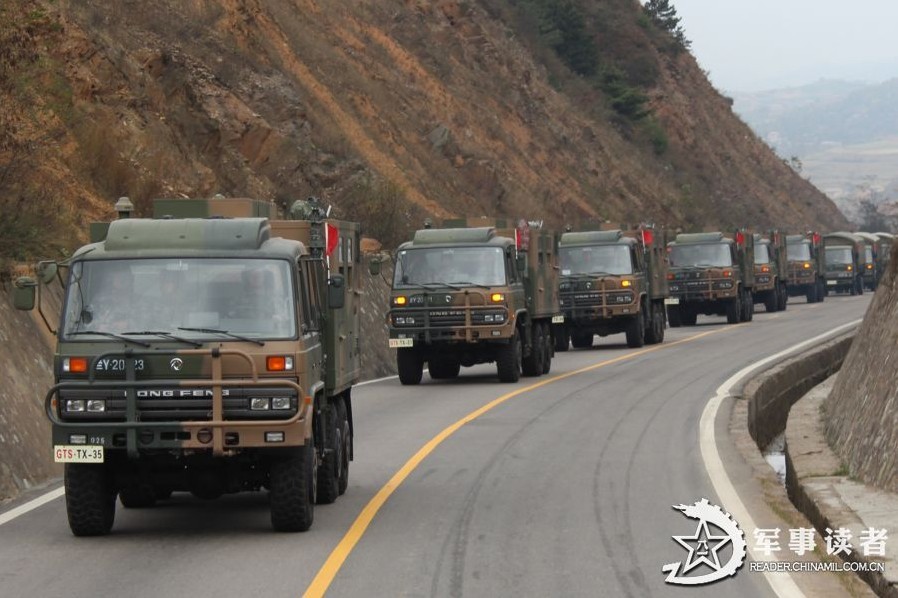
(532, 365)
(860, 285)
(655, 333)
(139, 496)
(562, 338)
(89, 499)
(783, 298)
(581, 340)
(332, 459)
(346, 436)
(410, 366)
(443, 369)
(734, 311)
(748, 307)
(508, 360)
(547, 359)
(688, 317)
(811, 293)
(636, 331)
(772, 300)
(292, 494)
(674, 316)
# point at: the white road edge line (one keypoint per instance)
(782, 583)
(31, 505)
(58, 492)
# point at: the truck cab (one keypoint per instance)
(467, 295)
(612, 282)
(208, 354)
(711, 274)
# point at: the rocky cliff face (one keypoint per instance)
(862, 410)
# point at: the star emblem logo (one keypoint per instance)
(702, 547)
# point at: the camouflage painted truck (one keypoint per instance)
(771, 271)
(612, 281)
(711, 274)
(207, 352)
(807, 266)
(874, 252)
(476, 291)
(845, 261)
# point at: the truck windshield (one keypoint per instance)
(702, 255)
(868, 254)
(798, 252)
(762, 255)
(252, 298)
(838, 255)
(450, 265)
(596, 259)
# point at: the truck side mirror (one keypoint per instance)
(24, 293)
(336, 298)
(374, 266)
(520, 262)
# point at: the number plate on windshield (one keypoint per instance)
(64, 453)
(401, 342)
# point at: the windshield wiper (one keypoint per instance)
(224, 332)
(443, 283)
(473, 284)
(110, 335)
(169, 335)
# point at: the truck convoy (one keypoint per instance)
(711, 273)
(845, 262)
(612, 281)
(476, 291)
(209, 350)
(806, 266)
(771, 271)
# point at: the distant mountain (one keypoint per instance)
(804, 120)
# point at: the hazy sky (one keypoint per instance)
(753, 45)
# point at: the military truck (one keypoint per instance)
(771, 271)
(845, 263)
(213, 354)
(886, 241)
(807, 266)
(612, 281)
(475, 291)
(873, 259)
(710, 273)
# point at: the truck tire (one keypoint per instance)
(688, 317)
(533, 364)
(860, 285)
(332, 457)
(547, 359)
(443, 369)
(343, 424)
(655, 333)
(783, 297)
(562, 339)
(748, 307)
(292, 494)
(89, 499)
(508, 360)
(139, 496)
(811, 293)
(734, 311)
(410, 366)
(674, 316)
(581, 340)
(772, 300)
(635, 330)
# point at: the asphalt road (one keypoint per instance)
(565, 489)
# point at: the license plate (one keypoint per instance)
(672, 301)
(558, 319)
(401, 342)
(64, 453)
(832, 282)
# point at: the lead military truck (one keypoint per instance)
(476, 291)
(711, 273)
(612, 281)
(209, 352)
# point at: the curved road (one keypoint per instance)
(563, 486)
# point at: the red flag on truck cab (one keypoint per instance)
(331, 238)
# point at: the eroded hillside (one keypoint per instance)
(389, 109)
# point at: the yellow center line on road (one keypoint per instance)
(338, 556)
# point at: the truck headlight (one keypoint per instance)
(96, 406)
(280, 403)
(74, 405)
(260, 404)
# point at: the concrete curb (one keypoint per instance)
(770, 399)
